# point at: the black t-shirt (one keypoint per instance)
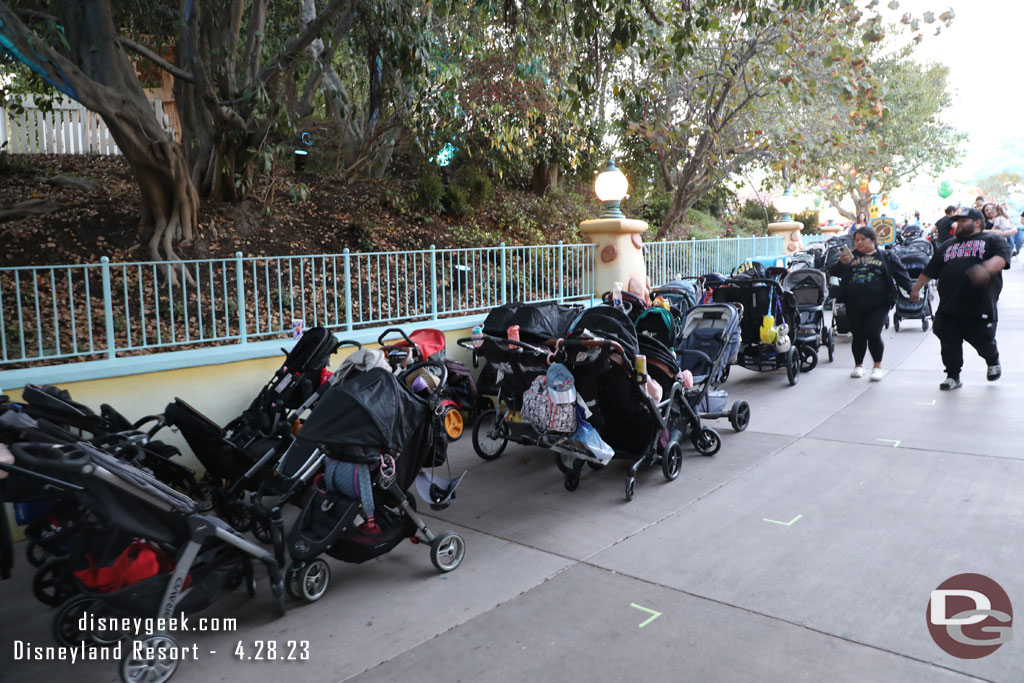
(865, 283)
(945, 228)
(952, 259)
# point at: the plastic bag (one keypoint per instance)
(588, 436)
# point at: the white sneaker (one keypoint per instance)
(877, 374)
(857, 372)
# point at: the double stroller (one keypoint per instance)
(915, 256)
(810, 289)
(769, 315)
(185, 562)
(373, 420)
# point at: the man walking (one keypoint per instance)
(969, 269)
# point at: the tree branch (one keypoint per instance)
(296, 45)
(156, 59)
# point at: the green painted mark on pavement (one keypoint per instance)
(654, 615)
(894, 442)
(789, 523)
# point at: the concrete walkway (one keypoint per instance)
(805, 550)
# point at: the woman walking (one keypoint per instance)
(869, 278)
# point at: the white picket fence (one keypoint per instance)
(69, 128)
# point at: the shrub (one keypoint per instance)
(747, 227)
(757, 211)
(480, 189)
(810, 221)
(430, 192)
(455, 203)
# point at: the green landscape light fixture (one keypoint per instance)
(610, 187)
(786, 205)
(300, 160)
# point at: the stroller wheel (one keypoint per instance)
(671, 462)
(572, 480)
(263, 530)
(36, 554)
(924, 324)
(490, 435)
(792, 367)
(739, 416)
(291, 583)
(725, 372)
(150, 666)
(707, 441)
(240, 516)
(50, 585)
(313, 579)
(453, 423)
(447, 551)
(895, 323)
(202, 494)
(66, 629)
(808, 359)
(630, 488)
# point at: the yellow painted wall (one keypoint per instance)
(221, 392)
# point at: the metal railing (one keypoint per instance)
(666, 260)
(102, 310)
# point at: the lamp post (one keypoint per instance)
(611, 187)
(874, 187)
(786, 227)
(618, 247)
(786, 205)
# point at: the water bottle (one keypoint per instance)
(513, 335)
(617, 294)
(478, 336)
(641, 369)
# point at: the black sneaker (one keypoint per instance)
(950, 383)
(994, 372)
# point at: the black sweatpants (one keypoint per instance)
(954, 330)
(866, 326)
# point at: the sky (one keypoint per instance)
(984, 50)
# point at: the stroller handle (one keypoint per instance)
(349, 342)
(467, 343)
(385, 333)
(593, 344)
(49, 455)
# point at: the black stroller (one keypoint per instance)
(681, 293)
(199, 556)
(760, 298)
(372, 419)
(915, 256)
(238, 456)
(810, 288)
(601, 352)
(510, 368)
(709, 343)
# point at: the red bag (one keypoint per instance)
(139, 561)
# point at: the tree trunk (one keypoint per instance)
(545, 177)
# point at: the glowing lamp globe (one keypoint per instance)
(786, 204)
(610, 187)
(874, 186)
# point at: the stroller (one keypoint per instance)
(681, 293)
(810, 288)
(767, 306)
(601, 352)
(459, 395)
(373, 419)
(237, 457)
(915, 256)
(193, 557)
(710, 342)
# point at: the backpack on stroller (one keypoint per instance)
(201, 555)
(769, 315)
(374, 419)
(709, 343)
(810, 288)
(915, 256)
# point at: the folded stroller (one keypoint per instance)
(709, 343)
(237, 457)
(810, 288)
(915, 255)
(373, 419)
(766, 307)
(198, 556)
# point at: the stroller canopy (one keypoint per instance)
(430, 343)
(808, 285)
(371, 412)
(916, 251)
(608, 322)
(537, 322)
(312, 352)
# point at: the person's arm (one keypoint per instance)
(915, 292)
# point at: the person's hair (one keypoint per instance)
(979, 198)
(950, 210)
(859, 215)
(999, 210)
(867, 232)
